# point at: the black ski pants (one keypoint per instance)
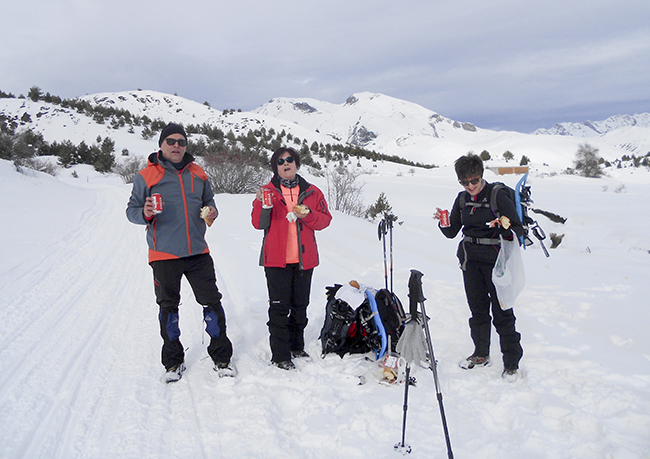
(199, 271)
(289, 289)
(481, 296)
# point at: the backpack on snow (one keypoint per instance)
(347, 330)
(392, 315)
(353, 331)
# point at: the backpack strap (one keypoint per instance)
(493, 198)
(482, 240)
(462, 202)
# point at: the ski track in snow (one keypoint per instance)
(80, 350)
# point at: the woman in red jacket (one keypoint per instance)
(294, 210)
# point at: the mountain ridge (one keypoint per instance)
(378, 122)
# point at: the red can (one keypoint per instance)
(267, 203)
(444, 219)
(157, 203)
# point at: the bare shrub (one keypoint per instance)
(587, 162)
(129, 168)
(344, 192)
(41, 165)
(235, 172)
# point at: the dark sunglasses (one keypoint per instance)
(171, 142)
(474, 181)
(288, 160)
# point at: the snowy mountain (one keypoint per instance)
(396, 127)
(373, 121)
(629, 133)
(590, 129)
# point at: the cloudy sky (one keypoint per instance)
(500, 64)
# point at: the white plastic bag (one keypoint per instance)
(508, 273)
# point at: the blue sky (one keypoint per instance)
(506, 65)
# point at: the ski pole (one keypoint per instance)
(416, 295)
(382, 237)
(401, 446)
(390, 229)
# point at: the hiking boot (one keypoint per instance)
(174, 373)
(285, 365)
(301, 355)
(510, 374)
(475, 361)
(225, 369)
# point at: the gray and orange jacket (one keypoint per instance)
(178, 231)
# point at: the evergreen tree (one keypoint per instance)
(380, 207)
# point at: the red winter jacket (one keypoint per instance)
(275, 225)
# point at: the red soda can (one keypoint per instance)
(267, 203)
(444, 219)
(157, 203)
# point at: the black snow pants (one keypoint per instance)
(289, 289)
(481, 297)
(199, 271)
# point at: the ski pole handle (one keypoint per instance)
(415, 292)
(381, 229)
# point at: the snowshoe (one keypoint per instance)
(174, 373)
(225, 369)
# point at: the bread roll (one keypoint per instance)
(204, 215)
(300, 210)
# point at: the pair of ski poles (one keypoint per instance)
(417, 297)
(386, 227)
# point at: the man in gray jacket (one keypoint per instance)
(177, 246)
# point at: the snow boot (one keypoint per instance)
(510, 374)
(301, 355)
(285, 365)
(225, 369)
(475, 361)
(174, 373)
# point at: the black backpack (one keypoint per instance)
(347, 330)
(527, 221)
(493, 199)
(392, 315)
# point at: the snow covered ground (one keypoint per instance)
(79, 342)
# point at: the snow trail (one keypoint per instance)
(80, 346)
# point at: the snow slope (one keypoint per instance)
(79, 343)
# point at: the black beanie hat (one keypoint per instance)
(170, 129)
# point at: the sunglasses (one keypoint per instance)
(474, 181)
(287, 160)
(171, 142)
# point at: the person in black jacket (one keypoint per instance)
(477, 253)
